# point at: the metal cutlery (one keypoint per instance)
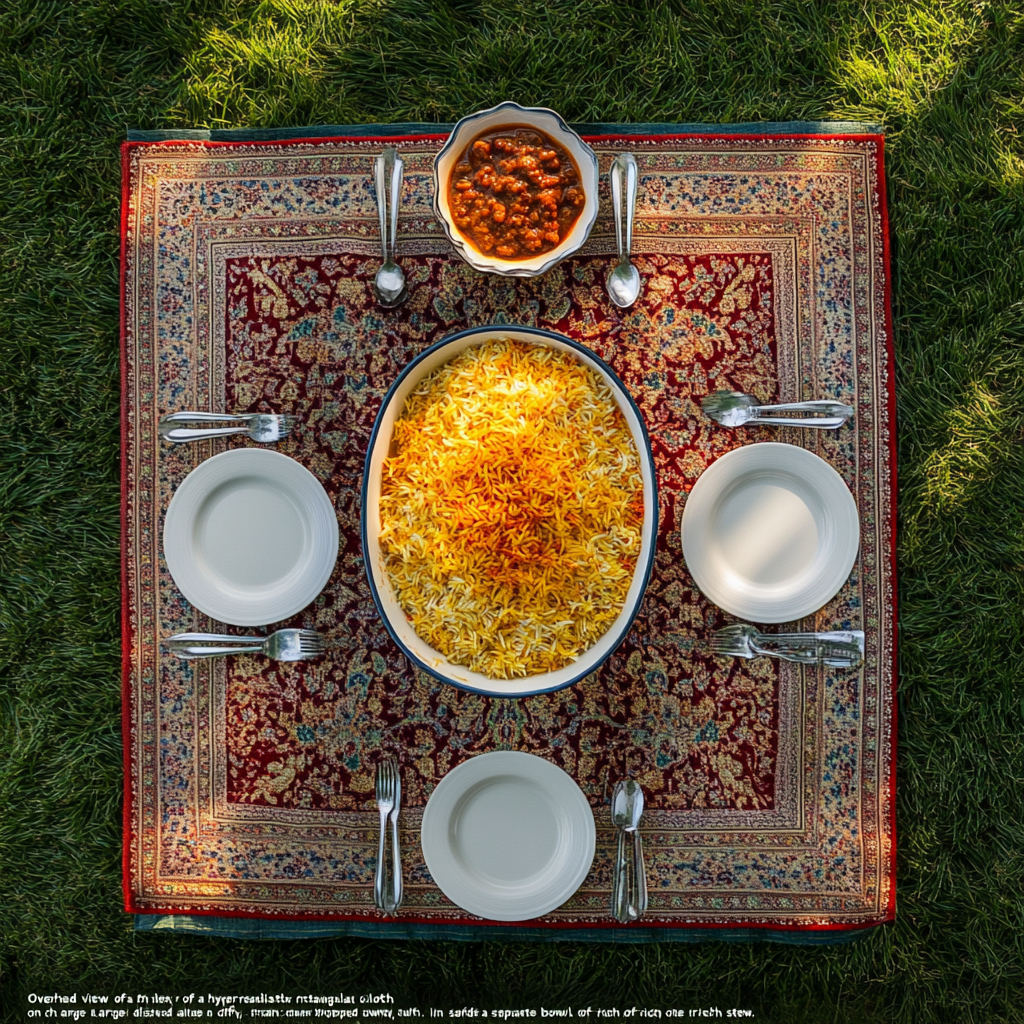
(734, 409)
(629, 877)
(387, 884)
(389, 284)
(264, 427)
(843, 649)
(624, 281)
(396, 852)
(282, 645)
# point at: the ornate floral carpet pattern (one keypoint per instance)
(249, 784)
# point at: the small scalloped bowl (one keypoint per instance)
(413, 647)
(508, 115)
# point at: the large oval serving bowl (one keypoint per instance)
(509, 115)
(416, 649)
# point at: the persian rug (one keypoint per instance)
(249, 785)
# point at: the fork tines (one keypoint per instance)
(726, 646)
(310, 642)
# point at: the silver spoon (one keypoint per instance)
(733, 409)
(266, 428)
(624, 280)
(389, 284)
(629, 880)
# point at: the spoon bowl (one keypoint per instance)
(389, 285)
(627, 805)
(624, 285)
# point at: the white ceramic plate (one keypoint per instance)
(508, 836)
(250, 537)
(770, 532)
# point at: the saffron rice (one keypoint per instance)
(511, 509)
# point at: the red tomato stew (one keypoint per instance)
(515, 193)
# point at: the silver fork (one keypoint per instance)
(389, 798)
(843, 649)
(264, 427)
(282, 645)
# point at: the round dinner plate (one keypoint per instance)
(250, 537)
(508, 836)
(770, 532)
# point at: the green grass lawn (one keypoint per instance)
(945, 78)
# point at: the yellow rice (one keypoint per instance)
(511, 508)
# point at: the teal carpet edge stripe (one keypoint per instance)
(323, 131)
(261, 929)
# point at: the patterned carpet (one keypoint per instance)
(249, 784)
